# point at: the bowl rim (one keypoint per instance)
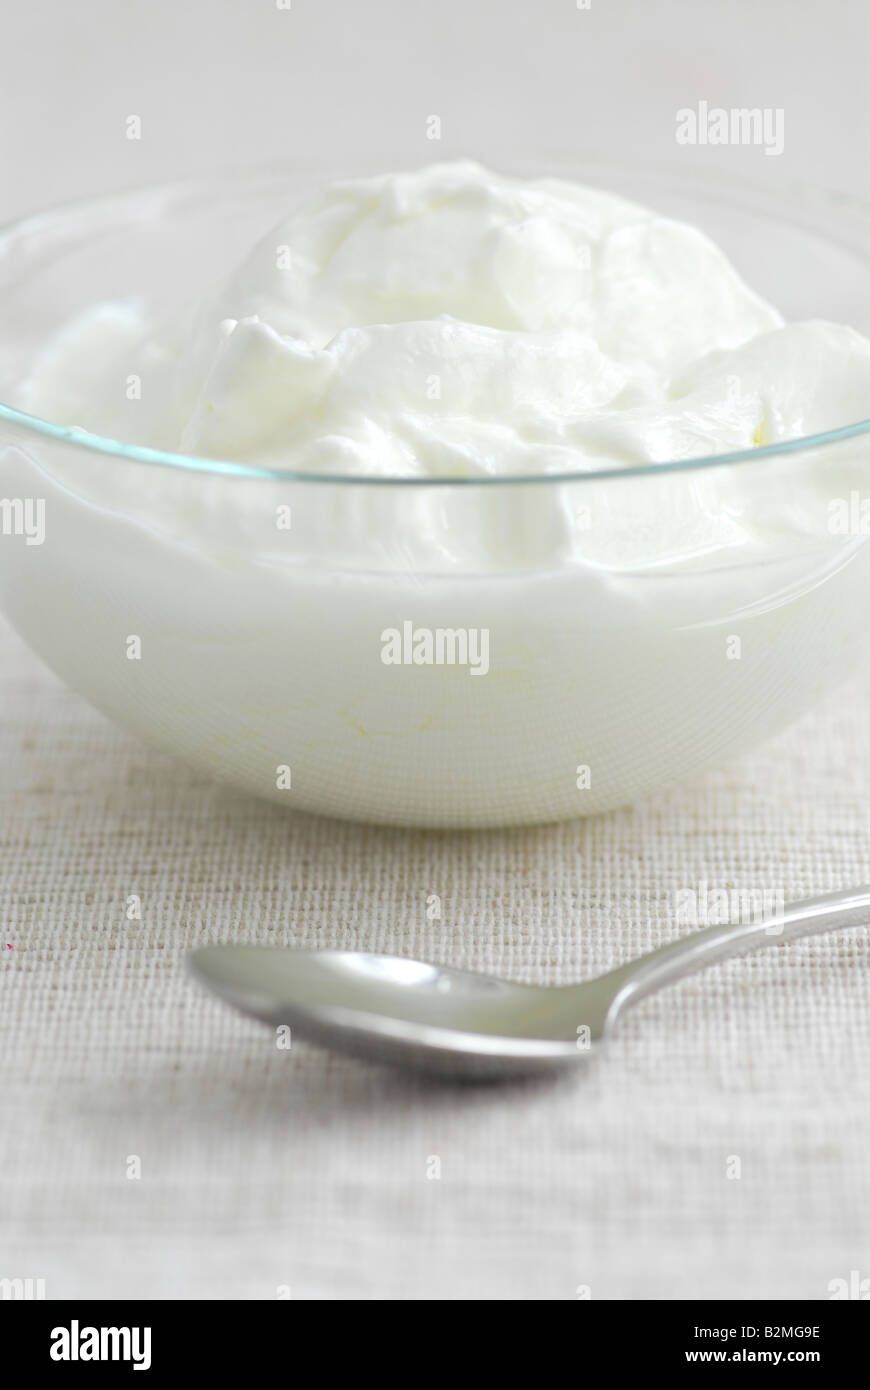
(179, 187)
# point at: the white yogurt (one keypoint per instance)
(450, 323)
(453, 321)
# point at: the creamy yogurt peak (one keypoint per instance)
(453, 321)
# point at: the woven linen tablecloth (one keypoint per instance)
(156, 1144)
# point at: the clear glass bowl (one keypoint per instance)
(706, 604)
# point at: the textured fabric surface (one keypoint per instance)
(264, 1171)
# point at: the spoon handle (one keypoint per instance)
(629, 983)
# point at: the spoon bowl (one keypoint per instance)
(392, 1009)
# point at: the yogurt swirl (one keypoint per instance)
(455, 322)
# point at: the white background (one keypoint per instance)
(219, 83)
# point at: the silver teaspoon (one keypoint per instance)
(460, 1023)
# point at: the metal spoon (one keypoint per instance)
(459, 1023)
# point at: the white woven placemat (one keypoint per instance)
(264, 1171)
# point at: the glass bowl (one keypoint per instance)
(416, 652)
